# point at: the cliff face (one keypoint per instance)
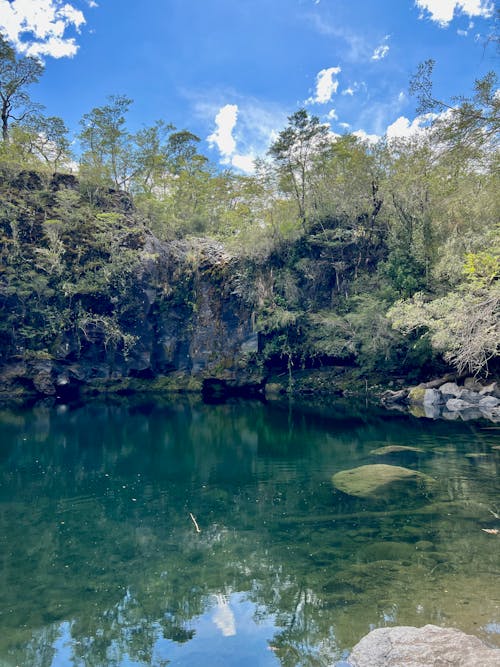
(127, 307)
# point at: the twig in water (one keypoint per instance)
(195, 523)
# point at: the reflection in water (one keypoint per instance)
(101, 563)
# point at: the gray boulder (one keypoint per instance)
(456, 404)
(429, 646)
(491, 389)
(433, 397)
(469, 396)
(450, 389)
(488, 402)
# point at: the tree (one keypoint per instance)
(472, 121)
(15, 75)
(294, 150)
(49, 140)
(104, 138)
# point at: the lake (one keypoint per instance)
(144, 531)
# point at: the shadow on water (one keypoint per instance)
(102, 564)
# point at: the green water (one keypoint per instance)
(102, 565)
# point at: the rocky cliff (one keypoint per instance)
(91, 297)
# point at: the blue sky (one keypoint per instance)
(232, 70)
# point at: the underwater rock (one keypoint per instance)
(395, 449)
(379, 480)
(422, 647)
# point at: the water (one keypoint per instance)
(101, 563)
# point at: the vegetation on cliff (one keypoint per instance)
(340, 252)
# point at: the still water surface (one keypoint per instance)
(101, 563)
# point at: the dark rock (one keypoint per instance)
(28, 180)
(429, 646)
(61, 181)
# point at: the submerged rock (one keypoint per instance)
(379, 480)
(395, 449)
(429, 646)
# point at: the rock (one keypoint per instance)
(456, 404)
(492, 389)
(470, 396)
(389, 397)
(472, 384)
(488, 402)
(379, 480)
(450, 389)
(429, 646)
(433, 397)
(395, 449)
(432, 411)
(416, 395)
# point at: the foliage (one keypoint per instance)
(464, 325)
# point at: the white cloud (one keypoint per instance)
(38, 27)
(364, 136)
(326, 86)
(348, 91)
(245, 163)
(443, 11)
(382, 50)
(332, 115)
(345, 126)
(222, 138)
(404, 128)
(243, 131)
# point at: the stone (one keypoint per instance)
(492, 389)
(472, 384)
(456, 404)
(433, 397)
(416, 395)
(469, 396)
(395, 449)
(379, 480)
(429, 646)
(450, 389)
(488, 402)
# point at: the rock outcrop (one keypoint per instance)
(429, 646)
(448, 400)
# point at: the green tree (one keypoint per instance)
(16, 74)
(106, 142)
(467, 122)
(294, 152)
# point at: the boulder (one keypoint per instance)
(472, 384)
(469, 396)
(450, 389)
(395, 449)
(433, 397)
(456, 404)
(379, 480)
(488, 402)
(416, 395)
(491, 389)
(429, 646)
